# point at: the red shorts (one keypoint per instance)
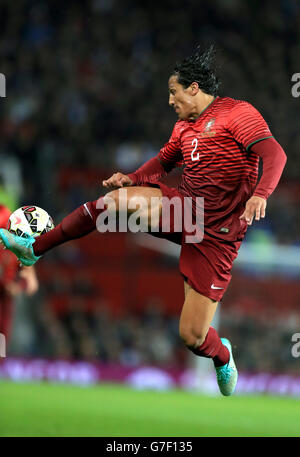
(206, 266)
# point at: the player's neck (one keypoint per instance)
(204, 101)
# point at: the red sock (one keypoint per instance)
(213, 348)
(79, 223)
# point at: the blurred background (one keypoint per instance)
(86, 95)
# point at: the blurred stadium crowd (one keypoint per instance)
(262, 338)
(87, 90)
(149, 338)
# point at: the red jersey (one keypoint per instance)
(9, 267)
(219, 165)
(9, 264)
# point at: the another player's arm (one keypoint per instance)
(169, 157)
(29, 275)
(26, 282)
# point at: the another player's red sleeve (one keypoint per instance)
(274, 159)
(247, 125)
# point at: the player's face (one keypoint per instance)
(182, 99)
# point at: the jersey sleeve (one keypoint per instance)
(274, 160)
(170, 154)
(247, 125)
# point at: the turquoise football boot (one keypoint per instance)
(227, 375)
(21, 247)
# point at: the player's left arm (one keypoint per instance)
(26, 282)
(28, 274)
(249, 128)
(274, 160)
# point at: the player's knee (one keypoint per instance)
(112, 200)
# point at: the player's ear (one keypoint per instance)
(194, 87)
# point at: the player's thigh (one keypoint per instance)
(196, 316)
(130, 199)
(157, 209)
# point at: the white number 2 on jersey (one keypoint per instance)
(193, 155)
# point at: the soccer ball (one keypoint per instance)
(29, 221)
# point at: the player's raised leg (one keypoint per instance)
(21, 247)
(82, 221)
(204, 341)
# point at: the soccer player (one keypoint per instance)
(13, 281)
(220, 141)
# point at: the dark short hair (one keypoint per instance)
(199, 68)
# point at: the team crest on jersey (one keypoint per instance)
(208, 128)
(209, 125)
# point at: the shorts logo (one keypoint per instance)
(215, 287)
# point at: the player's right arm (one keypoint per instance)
(168, 157)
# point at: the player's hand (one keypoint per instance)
(117, 180)
(32, 284)
(255, 208)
